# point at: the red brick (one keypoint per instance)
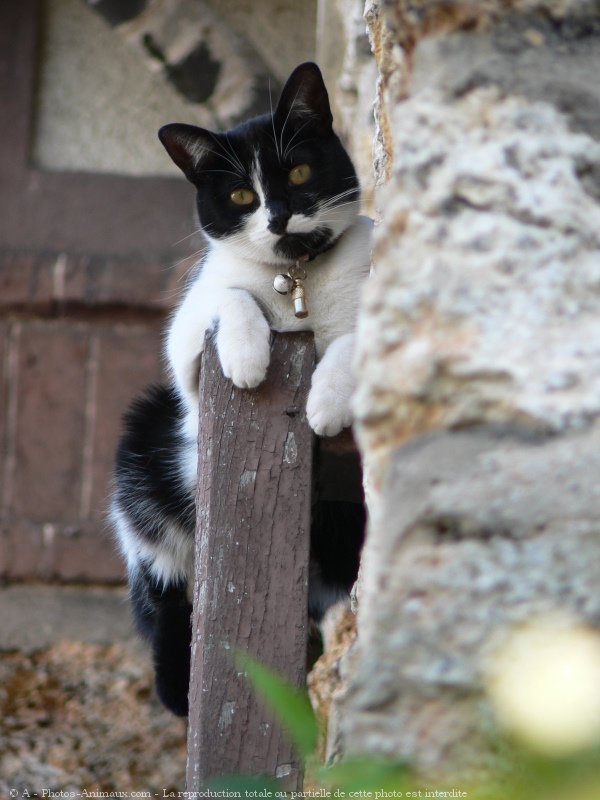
(101, 281)
(46, 551)
(128, 283)
(41, 283)
(89, 554)
(50, 424)
(4, 353)
(139, 283)
(114, 282)
(73, 380)
(25, 280)
(8, 411)
(129, 359)
(23, 552)
(70, 278)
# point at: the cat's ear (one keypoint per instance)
(187, 145)
(304, 94)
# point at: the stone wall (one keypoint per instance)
(479, 364)
(345, 57)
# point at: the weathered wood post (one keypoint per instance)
(252, 546)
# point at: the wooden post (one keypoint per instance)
(252, 547)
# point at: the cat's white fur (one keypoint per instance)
(236, 276)
(171, 561)
(236, 281)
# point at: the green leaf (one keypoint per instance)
(290, 704)
(367, 773)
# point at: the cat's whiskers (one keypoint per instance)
(234, 154)
(340, 195)
(242, 238)
(333, 202)
(340, 206)
(273, 125)
(302, 141)
(225, 155)
(338, 198)
(287, 147)
(345, 216)
(197, 232)
(227, 171)
(200, 251)
(185, 274)
(259, 247)
(334, 198)
(286, 119)
(258, 243)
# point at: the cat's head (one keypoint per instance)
(277, 187)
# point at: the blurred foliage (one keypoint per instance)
(518, 774)
(290, 705)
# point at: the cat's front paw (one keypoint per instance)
(245, 372)
(328, 411)
(245, 356)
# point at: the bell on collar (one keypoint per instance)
(293, 282)
(283, 284)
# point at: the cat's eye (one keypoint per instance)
(242, 197)
(299, 174)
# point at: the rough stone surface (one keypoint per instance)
(344, 54)
(476, 531)
(484, 304)
(519, 56)
(325, 679)
(478, 399)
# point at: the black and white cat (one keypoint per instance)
(274, 190)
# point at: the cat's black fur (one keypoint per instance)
(153, 502)
(277, 136)
(150, 445)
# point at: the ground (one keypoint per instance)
(77, 704)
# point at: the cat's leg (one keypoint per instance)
(242, 336)
(153, 516)
(163, 617)
(243, 339)
(328, 405)
(185, 340)
(161, 607)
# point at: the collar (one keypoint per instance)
(311, 257)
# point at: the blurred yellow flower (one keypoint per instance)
(544, 686)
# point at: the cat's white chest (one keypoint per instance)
(234, 296)
(332, 286)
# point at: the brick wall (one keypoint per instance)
(79, 337)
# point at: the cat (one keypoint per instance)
(274, 193)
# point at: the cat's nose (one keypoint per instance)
(278, 221)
